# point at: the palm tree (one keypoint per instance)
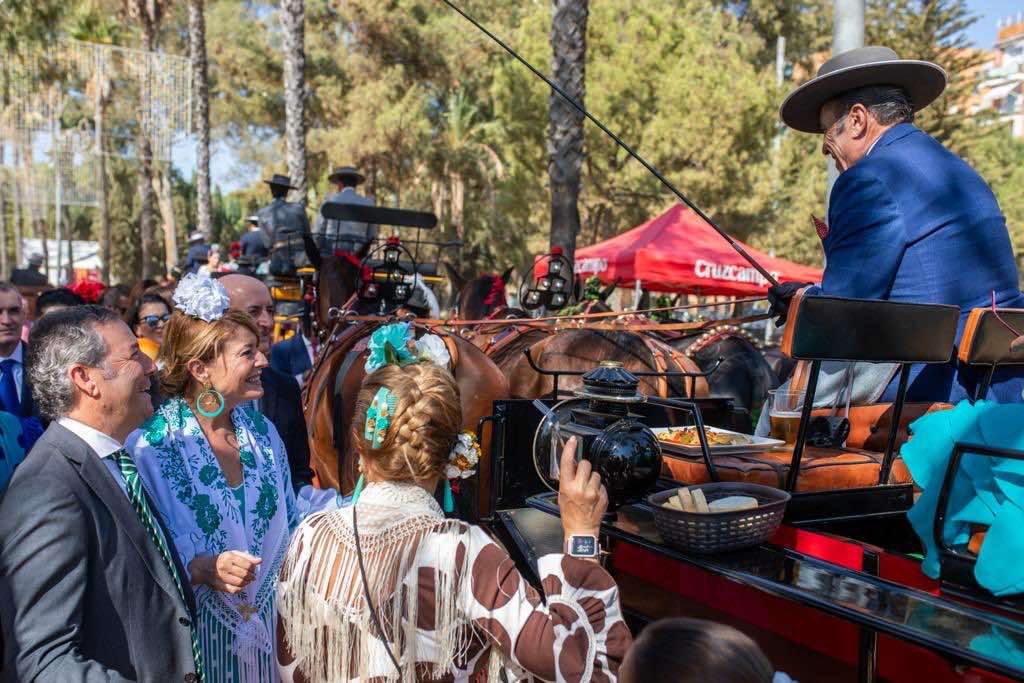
(197, 51)
(464, 150)
(565, 134)
(148, 14)
(293, 20)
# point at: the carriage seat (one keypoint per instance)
(424, 269)
(986, 343)
(821, 328)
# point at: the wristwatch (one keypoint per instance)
(583, 545)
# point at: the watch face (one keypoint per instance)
(583, 546)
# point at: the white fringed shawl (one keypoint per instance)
(403, 533)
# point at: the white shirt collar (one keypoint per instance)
(17, 355)
(102, 444)
(867, 153)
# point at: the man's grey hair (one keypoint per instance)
(889, 104)
(58, 341)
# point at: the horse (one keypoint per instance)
(743, 373)
(330, 393)
(478, 298)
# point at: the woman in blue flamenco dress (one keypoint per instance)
(217, 474)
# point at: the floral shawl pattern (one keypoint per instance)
(183, 477)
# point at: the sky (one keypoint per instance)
(983, 33)
(229, 176)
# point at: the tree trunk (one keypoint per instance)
(104, 209)
(36, 223)
(165, 201)
(293, 19)
(19, 216)
(145, 183)
(197, 51)
(5, 271)
(145, 187)
(565, 134)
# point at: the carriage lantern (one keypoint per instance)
(549, 290)
(618, 445)
(392, 250)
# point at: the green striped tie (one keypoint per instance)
(133, 482)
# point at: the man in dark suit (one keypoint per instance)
(15, 386)
(90, 585)
(255, 243)
(908, 219)
(281, 402)
(293, 356)
(30, 276)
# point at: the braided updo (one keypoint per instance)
(423, 428)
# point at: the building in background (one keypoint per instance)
(1002, 87)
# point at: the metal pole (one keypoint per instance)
(847, 34)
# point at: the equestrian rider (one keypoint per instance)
(908, 220)
(350, 236)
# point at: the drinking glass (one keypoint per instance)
(784, 413)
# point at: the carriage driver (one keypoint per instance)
(908, 220)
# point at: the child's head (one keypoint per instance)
(422, 426)
(694, 651)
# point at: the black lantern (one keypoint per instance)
(618, 445)
(552, 289)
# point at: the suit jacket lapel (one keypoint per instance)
(99, 479)
(267, 401)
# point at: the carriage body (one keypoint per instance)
(837, 593)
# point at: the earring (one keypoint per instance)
(358, 490)
(449, 499)
(210, 394)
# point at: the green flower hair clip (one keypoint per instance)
(378, 417)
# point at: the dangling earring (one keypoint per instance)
(209, 393)
(358, 490)
(449, 499)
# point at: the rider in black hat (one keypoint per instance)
(281, 219)
(350, 236)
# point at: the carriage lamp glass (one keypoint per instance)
(370, 290)
(555, 267)
(401, 291)
(391, 253)
(625, 453)
(545, 283)
(557, 284)
(557, 300)
(532, 299)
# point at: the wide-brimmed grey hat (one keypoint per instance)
(863, 66)
(346, 172)
(196, 237)
(281, 181)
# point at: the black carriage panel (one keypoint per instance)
(378, 215)
(833, 328)
(986, 339)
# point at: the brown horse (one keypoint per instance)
(329, 395)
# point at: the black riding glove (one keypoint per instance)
(779, 297)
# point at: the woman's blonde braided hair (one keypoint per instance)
(423, 427)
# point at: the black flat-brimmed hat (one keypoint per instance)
(346, 172)
(281, 181)
(863, 66)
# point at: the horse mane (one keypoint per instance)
(481, 295)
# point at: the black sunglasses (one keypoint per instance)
(154, 320)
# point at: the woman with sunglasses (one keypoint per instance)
(147, 319)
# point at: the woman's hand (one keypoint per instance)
(582, 497)
(230, 571)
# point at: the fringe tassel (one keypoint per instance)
(329, 627)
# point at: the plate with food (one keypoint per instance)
(686, 441)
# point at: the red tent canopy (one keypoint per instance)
(679, 252)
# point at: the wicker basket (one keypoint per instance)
(716, 532)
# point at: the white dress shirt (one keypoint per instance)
(103, 445)
(18, 356)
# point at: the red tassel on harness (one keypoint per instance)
(495, 297)
(367, 274)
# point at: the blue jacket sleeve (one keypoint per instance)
(866, 238)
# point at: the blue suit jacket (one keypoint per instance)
(911, 221)
(290, 357)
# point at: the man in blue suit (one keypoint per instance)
(908, 219)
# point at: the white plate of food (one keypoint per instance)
(685, 441)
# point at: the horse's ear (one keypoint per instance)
(507, 274)
(458, 282)
(312, 253)
(607, 291)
